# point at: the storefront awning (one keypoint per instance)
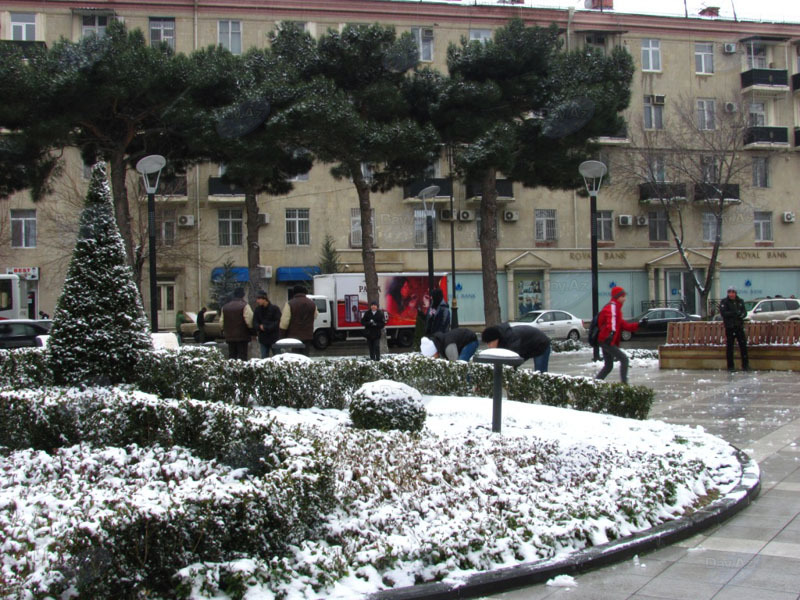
(297, 273)
(240, 274)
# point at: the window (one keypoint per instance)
(605, 226)
(658, 169)
(710, 227)
(162, 30)
(23, 27)
(710, 172)
(23, 228)
(545, 224)
(165, 224)
(420, 227)
(653, 114)
(756, 56)
(757, 114)
(763, 223)
(657, 222)
(479, 224)
(760, 171)
(298, 227)
(651, 55)
(424, 38)
(480, 35)
(94, 25)
(706, 109)
(230, 227)
(230, 35)
(704, 58)
(355, 227)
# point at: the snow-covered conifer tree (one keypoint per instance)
(99, 327)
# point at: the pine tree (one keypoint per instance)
(99, 328)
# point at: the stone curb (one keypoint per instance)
(525, 574)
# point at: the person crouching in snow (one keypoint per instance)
(457, 344)
(611, 325)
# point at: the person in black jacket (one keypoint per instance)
(373, 321)
(525, 340)
(438, 314)
(457, 344)
(266, 322)
(733, 312)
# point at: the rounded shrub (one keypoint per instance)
(387, 405)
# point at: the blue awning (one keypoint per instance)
(240, 274)
(297, 273)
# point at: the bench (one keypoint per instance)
(701, 345)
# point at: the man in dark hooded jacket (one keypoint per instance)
(438, 315)
(525, 340)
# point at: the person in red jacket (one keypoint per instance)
(611, 326)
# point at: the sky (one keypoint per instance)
(759, 10)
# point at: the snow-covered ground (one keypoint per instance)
(455, 500)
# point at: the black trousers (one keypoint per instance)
(238, 350)
(738, 334)
(610, 354)
(374, 348)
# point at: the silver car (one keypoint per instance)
(775, 309)
(557, 324)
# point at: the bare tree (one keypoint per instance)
(696, 161)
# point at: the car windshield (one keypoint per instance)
(530, 317)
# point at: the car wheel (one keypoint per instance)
(405, 337)
(322, 339)
(626, 336)
(574, 335)
(196, 335)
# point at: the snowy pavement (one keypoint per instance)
(755, 554)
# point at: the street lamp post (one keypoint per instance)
(424, 194)
(592, 172)
(150, 168)
(454, 303)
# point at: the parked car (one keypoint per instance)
(22, 333)
(775, 309)
(654, 321)
(212, 328)
(555, 323)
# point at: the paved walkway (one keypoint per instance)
(756, 554)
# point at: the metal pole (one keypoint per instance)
(454, 303)
(151, 224)
(595, 302)
(429, 236)
(497, 403)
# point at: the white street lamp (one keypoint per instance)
(150, 168)
(592, 172)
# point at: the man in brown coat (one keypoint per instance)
(236, 321)
(297, 317)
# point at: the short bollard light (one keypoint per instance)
(498, 357)
(287, 345)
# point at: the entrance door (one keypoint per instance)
(166, 305)
(681, 291)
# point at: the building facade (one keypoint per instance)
(710, 65)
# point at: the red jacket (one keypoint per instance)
(610, 319)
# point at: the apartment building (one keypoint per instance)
(710, 65)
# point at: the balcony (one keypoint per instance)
(504, 187)
(711, 192)
(223, 190)
(765, 80)
(28, 49)
(796, 82)
(657, 191)
(614, 138)
(173, 188)
(411, 191)
(766, 137)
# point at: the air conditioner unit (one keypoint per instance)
(659, 100)
(626, 220)
(641, 220)
(447, 215)
(185, 220)
(789, 217)
(731, 107)
(466, 215)
(427, 33)
(265, 271)
(729, 48)
(510, 216)
(263, 218)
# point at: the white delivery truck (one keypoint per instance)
(341, 300)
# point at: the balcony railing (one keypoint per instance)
(766, 77)
(766, 135)
(504, 187)
(651, 191)
(172, 186)
(218, 187)
(796, 82)
(413, 189)
(28, 48)
(713, 191)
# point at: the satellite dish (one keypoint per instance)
(245, 118)
(568, 117)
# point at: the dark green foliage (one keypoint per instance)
(374, 406)
(222, 287)
(99, 329)
(329, 257)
